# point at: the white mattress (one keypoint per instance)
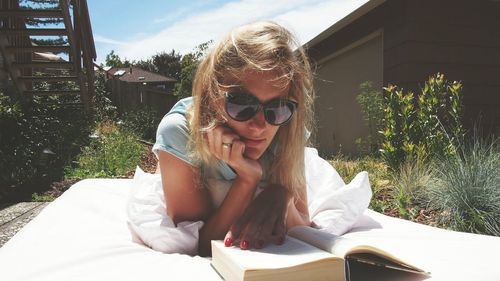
(83, 235)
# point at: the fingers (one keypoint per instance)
(279, 231)
(259, 231)
(263, 222)
(220, 142)
(265, 230)
(232, 151)
(234, 233)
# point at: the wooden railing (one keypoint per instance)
(24, 63)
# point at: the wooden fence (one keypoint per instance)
(129, 96)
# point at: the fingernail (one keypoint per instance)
(259, 244)
(280, 240)
(228, 242)
(244, 245)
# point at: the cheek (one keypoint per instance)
(237, 127)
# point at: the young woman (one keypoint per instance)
(232, 155)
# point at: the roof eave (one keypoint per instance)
(359, 12)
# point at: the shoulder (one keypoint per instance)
(173, 133)
(173, 123)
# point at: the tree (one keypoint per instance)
(146, 65)
(114, 60)
(189, 64)
(168, 64)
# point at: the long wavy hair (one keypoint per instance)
(261, 47)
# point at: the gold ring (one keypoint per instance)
(226, 145)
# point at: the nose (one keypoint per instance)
(258, 121)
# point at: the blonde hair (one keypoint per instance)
(262, 47)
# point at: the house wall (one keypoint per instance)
(340, 121)
(352, 55)
(459, 38)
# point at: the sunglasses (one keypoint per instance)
(242, 106)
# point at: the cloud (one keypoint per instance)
(307, 18)
(102, 39)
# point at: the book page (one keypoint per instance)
(341, 246)
(293, 252)
(336, 245)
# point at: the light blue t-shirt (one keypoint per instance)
(173, 136)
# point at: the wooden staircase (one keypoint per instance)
(24, 65)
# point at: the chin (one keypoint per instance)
(253, 154)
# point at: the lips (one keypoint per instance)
(253, 142)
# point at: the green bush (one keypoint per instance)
(113, 152)
(468, 188)
(428, 125)
(104, 107)
(372, 107)
(38, 138)
(143, 122)
(400, 134)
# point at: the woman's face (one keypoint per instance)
(256, 133)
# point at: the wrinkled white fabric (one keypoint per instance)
(333, 205)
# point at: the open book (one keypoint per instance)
(309, 254)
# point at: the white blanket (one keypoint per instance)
(333, 206)
(83, 235)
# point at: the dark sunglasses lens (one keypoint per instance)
(279, 112)
(241, 106)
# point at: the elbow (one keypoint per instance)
(178, 217)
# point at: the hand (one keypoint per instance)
(263, 220)
(226, 146)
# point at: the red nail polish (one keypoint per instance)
(244, 245)
(228, 242)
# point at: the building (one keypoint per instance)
(403, 42)
(133, 87)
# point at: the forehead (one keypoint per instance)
(265, 86)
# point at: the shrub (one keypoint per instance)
(468, 188)
(113, 152)
(104, 108)
(371, 103)
(429, 125)
(143, 122)
(399, 135)
(38, 138)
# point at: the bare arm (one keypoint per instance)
(187, 200)
(233, 206)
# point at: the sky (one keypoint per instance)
(137, 30)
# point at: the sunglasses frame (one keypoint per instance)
(261, 106)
